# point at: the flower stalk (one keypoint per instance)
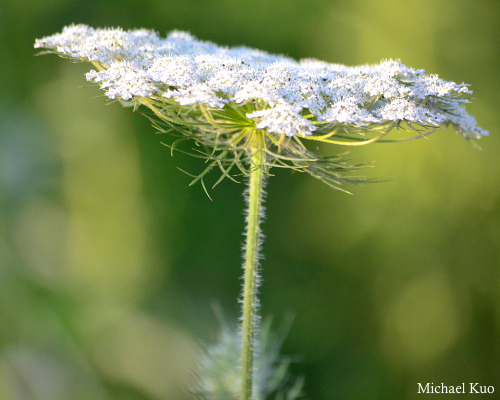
(252, 246)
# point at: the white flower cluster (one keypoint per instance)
(138, 63)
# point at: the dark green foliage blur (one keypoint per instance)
(110, 264)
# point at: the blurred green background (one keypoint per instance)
(110, 263)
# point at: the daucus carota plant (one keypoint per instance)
(249, 111)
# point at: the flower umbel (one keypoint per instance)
(229, 98)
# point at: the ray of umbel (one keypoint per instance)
(249, 111)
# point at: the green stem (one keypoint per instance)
(251, 266)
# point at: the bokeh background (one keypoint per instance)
(110, 264)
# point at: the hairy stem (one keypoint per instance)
(255, 212)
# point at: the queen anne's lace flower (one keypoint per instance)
(289, 97)
(248, 111)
